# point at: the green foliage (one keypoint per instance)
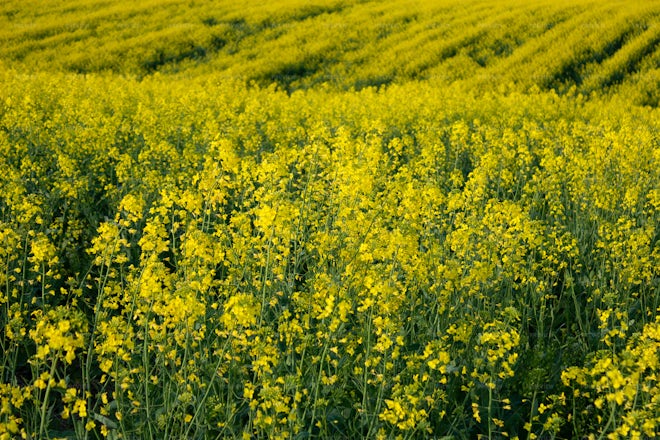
(329, 220)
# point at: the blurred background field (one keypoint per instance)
(340, 219)
(593, 46)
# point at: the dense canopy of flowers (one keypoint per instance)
(208, 258)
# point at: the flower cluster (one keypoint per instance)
(191, 256)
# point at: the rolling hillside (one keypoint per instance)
(304, 219)
(591, 45)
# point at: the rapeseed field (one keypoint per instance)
(306, 219)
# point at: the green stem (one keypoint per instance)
(208, 388)
(264, 279)
(532, 412)
(365, 383)
(610, 420)
(44, 404)
(490, 409)
(317, 385)
(145, 365)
